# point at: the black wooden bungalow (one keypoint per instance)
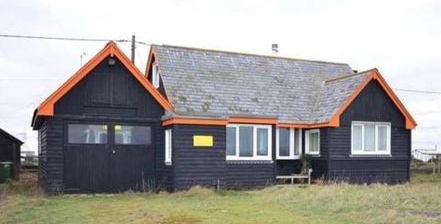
(213, 118)
(10, 152)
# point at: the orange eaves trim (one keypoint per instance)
(239, 120)
(221, 122)
(252, 120)
(195, 121)
(111, 49)
(374, 75)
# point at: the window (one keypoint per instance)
(155, 75)
(132, 135)
(289, 143)
(86, 134)
(370, 138)
(248, 142)
(168, 147)
(312, 142)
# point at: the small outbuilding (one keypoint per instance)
(10, 148)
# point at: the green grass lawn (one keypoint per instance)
(415, 202)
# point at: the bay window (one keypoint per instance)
(248, 142)
(289, 143)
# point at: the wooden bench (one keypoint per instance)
(296, 176)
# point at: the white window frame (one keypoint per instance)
(292, 143)
(255, 156)
(376, 151)
(168, 147)
(307, 147)
(155, 74)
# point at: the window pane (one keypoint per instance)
(87, 134)
(168, 145)
(297, 140)
(262, 141)
(231, 141)
(245, 141)
(382, 138)
(357, 136)
(314, 142)
(369, 137)
(284, 142)
(132, 135)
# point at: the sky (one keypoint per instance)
(402, 38)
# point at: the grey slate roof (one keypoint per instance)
(333, 94)
(215, 83)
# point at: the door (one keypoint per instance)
(131, 160)
(108, 157)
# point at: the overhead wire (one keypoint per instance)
(147, 44)
(68, 38)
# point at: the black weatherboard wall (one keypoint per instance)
(108, 95)
(207, 166)
(195, 165)
(372, 104)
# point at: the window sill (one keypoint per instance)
(249, 161)
(370, 155)
(235, 158)
(289, 158)
(168, 163)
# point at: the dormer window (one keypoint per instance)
(155, 75)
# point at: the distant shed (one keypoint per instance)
(10, 151)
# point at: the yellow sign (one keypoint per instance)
(203, 140)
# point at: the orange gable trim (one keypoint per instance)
(374, 75)
(111, 49)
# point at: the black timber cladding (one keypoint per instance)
(109, 90)
(51, 156)
(108, 94)
(198, 165)
(374, 105)
(249, 174)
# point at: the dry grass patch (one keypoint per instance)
(415, 202)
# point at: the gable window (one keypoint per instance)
(370, 138)
(248, 142)
(289, 142)
(168, 146)
(312, 142)
(155, 75)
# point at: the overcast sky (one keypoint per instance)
(401, 38)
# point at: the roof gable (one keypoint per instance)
(10, 137)
(111, 49)
(371, 75)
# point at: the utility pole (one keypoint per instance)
(133, 49)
